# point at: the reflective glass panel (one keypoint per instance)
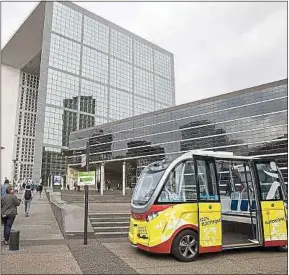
(62, 89)
(66, 21)
(95, 65)
(64, 54)
(96, 34)
(120, 105)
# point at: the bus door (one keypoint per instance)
(272, 196)
(209, 205)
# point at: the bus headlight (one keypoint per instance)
(151, 216)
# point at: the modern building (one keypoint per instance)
(69, 69)
(248, 122)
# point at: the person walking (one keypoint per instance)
(32, 187)
(9, 205)
(27, 198)
(4, 187)
(40, 188)
(23, 185)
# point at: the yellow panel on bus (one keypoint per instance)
(210, 226)
(274, 223)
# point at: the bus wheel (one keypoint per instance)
(185, 246)
(283, 248)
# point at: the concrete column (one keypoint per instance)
(123, 178)
(102, 179)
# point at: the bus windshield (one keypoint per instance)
(148, 182)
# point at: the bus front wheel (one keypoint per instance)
(185, 246)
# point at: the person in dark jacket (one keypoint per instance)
(27, 198)
(40, 188)
(9, 205)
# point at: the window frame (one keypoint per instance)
(157, 202)
(206, 159)
(281, 180)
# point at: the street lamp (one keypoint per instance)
(86, 193)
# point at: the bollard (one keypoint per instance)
(14, 240)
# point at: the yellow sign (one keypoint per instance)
(274, 221)
(210, 225)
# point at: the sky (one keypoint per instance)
(218, 47)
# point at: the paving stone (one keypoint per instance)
(245, 261)
(95, 258)
(39, 263)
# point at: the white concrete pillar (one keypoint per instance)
(102, 178)
(123, 178)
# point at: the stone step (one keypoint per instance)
(100, 235)
(109, 215)
(110, 219)
(111, 229)
(110, 224)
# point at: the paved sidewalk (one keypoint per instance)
(42, 247)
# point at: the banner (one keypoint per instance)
(86, 178)
(57, 180)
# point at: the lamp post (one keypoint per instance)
(13, 172)
(86, 195)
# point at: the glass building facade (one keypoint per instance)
(248, 122)
(91, 72)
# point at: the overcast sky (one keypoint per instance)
(218, 47)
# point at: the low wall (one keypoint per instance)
(70, 218)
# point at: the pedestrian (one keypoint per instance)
(4, 187)
(9, 205)
(40, 188)
(6, 181)
(98, 186)
(32, 188)
(108, 184)
(27, 198)
(23, 185)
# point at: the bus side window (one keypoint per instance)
(269, 181)
(189, 187)
(207, 181)
(180, 185)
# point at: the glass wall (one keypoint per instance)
(251, 122)
(99, 72)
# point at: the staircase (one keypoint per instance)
(110, 225)
(109, 196)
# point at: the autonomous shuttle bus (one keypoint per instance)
(208, 201)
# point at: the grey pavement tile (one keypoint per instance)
(41, 223)
(94, 258)
(34, 249)
(39, 263)
(114, 240)
(237, 262)
(264, 266)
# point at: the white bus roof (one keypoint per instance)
(217, 154)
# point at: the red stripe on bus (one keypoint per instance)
(276, 243)
(210, 249)
(143, 247)
(154, 208)
(165, 247)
